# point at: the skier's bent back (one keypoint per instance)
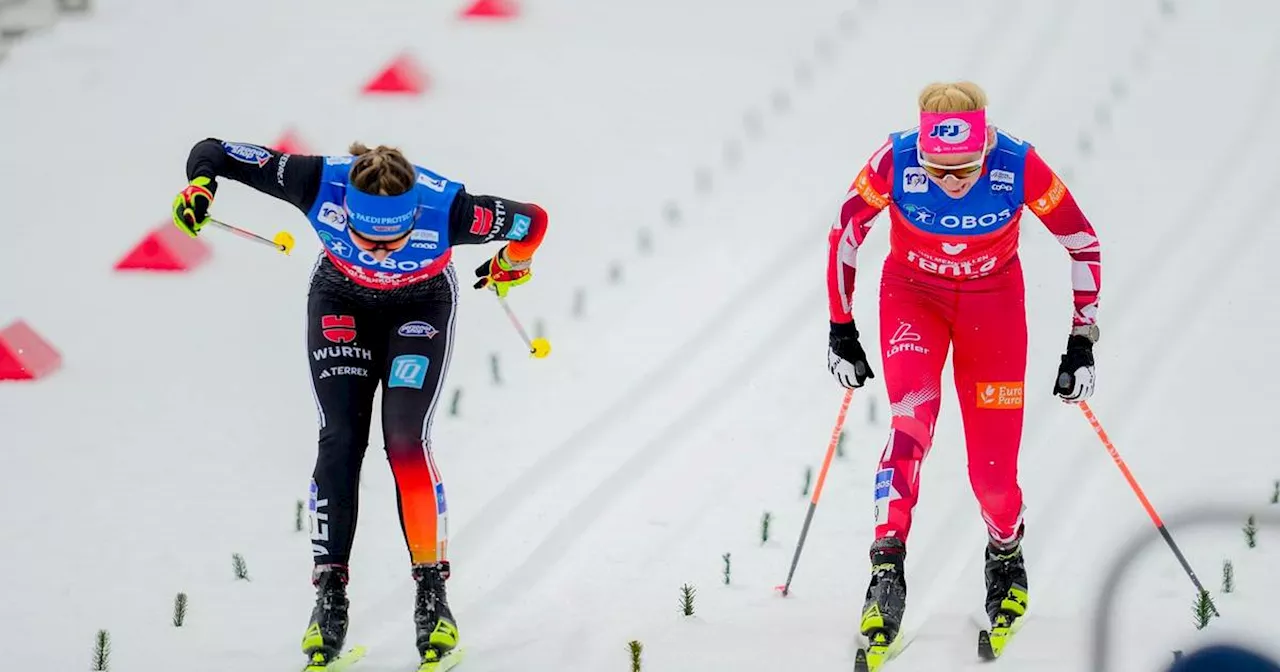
(380, 310)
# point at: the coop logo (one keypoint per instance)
(417, 329)
(952, 131)
(333, 215)
(1003, 396)
(251, 154)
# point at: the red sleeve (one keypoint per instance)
(1053, 203)
(868, 195)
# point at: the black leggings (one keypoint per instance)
(353, 346)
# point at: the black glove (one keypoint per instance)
(1075, 373)
(846, 360)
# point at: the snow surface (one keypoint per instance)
(692, 395)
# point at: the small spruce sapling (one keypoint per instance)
(808, 481)
(764, 527)
(101, 652)
(1228, 577)
(1251, 532)
(298, 510)
(726, 568)
(239, 567)
(636, 649)
(179, 610)
(686, 599)
(1203, 610)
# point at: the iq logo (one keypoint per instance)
(519, 227)
(952, 131)
(408, 371)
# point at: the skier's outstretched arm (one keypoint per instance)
(294, 178)
(1052, 202)
(868, 195)
(479, 219)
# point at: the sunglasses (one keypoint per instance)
(394, 245)
(960, 172)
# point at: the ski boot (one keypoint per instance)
(885, 604)
(1006, 575)
(437, 632)
(328, 628)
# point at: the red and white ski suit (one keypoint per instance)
(952, 279)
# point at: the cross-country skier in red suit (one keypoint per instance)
(955, 188)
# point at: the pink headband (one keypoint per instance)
(953, 132)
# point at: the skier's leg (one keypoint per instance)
(345, 352)
(990, 367)
(420, 347)
(914, 337)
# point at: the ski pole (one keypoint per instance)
(538, 347)
(817, 489)
(1142, 497)
(283, 241)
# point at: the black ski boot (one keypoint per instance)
(887, 594)
(437, 632)
(328, 628)
(1006, 582)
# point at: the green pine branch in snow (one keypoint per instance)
(726, 568)
(298, 510)
(1275, 496)
(808, 481)
(179, 610)
(636, 649)
(239, 567)
(1228, 577)
(686, 599)
(1203, 610)
(101, 652)
(764, 527)
(1251, 532)
(840, 445)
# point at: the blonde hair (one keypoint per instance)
(382, 170)
(952, 97)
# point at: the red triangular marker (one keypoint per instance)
(492, 9)
(290, 143)
(165, 248)
(24, 355)
(401, 76)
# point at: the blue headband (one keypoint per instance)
(374, 215)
